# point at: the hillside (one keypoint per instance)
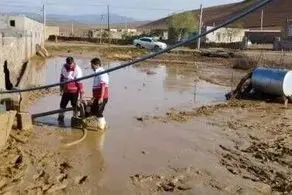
(275, 15)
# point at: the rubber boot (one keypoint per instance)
(61, 117)
(101, 123)
(75, 114)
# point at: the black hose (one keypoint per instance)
(230, 21)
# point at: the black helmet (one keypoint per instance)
(70, 60)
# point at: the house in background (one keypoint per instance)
(52, 30)
(19, 39)
(285, 41)
(25, 26)
(115, 33)
(155, 30)
(224, 35)
(262, 36)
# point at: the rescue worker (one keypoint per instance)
(72, 90)
(100, 92)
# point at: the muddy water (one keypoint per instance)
(109, 160)
(133, 92)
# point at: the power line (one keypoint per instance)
(144, 58)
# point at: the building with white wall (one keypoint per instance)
(19, 38)
(224, 35)
(52, 30)
(26, 26)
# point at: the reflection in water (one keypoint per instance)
(177, 77)
(89, 159)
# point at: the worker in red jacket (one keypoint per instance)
(100, 91)
(72, 90)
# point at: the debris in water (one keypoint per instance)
(141, 119)
(150, 72)
(144, 152)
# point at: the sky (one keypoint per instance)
(138, 9)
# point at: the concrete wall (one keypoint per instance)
(52, 30)
(26, 26)
(15, 51)
(5, 21)
(35, 30)
(18, 43)
(225, 35)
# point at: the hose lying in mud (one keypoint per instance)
(85, 132)
(83, 126)
(144, 58)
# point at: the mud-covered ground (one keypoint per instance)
(260, 136)
(238, 147)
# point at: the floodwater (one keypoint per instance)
(135, 93)
(110, 159)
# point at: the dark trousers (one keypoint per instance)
(97, 109)
(69, 97)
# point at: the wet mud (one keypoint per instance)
(261, 135)
(169, 131)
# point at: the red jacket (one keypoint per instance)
(70, 73)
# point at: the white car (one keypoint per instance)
(149, 43)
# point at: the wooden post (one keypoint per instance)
(200, 27)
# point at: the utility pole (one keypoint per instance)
(101, 29)
(200, 27)
(108, 18)
(72, 28)
(126, 24)
(44, 23)
(108, 24)
(262, 19)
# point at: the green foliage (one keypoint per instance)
(185, 20)
(181, 24)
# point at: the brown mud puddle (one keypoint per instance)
(192, 149)
(105, 163)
